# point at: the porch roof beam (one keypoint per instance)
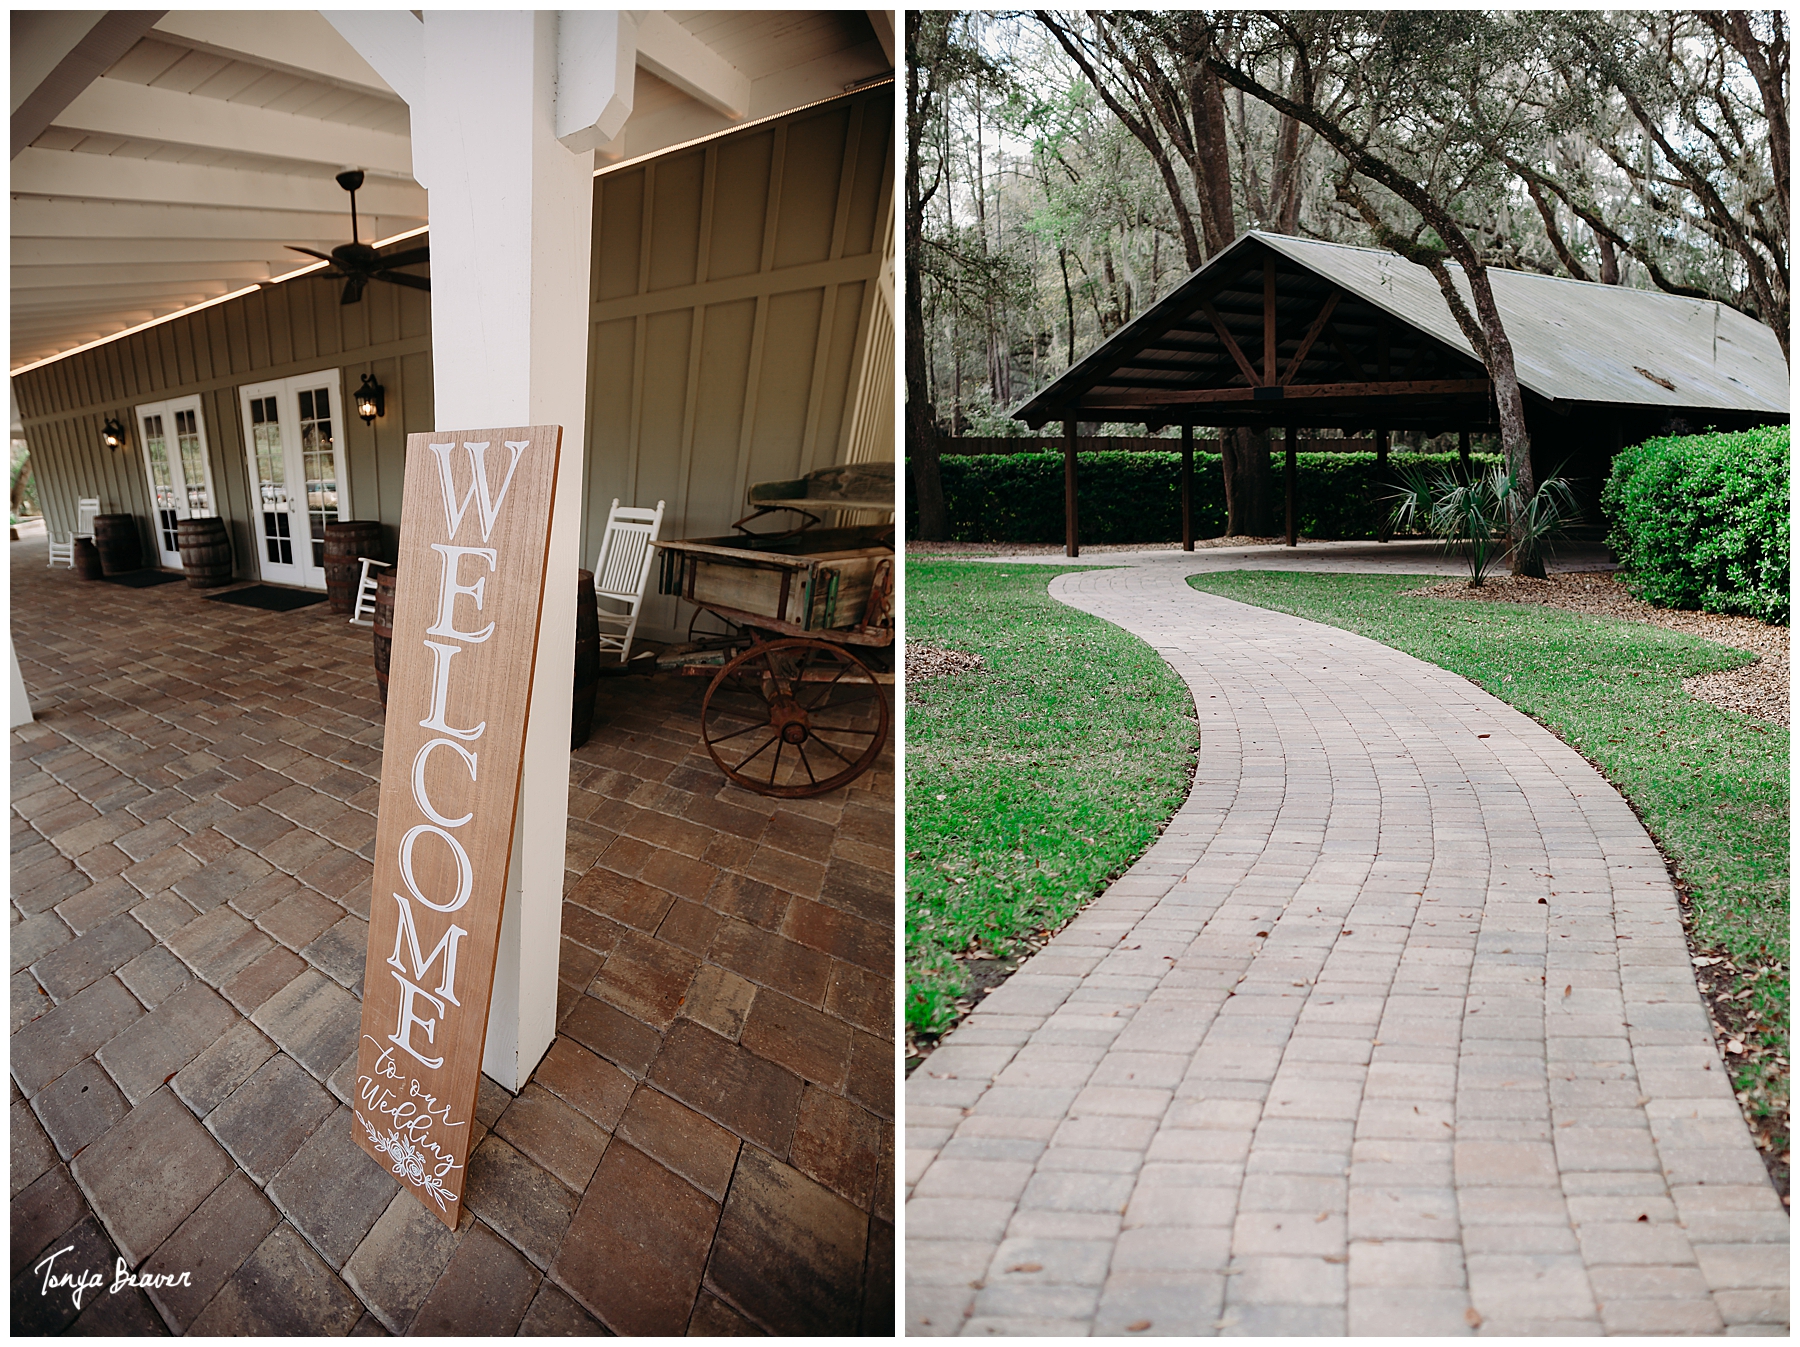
(98, 326)
(32, 252)
(120, 276)
(1146, 398)
(106, 178)
(58, 54)
(76, 298)
(67, 218)
(298, 41)
(113, 107)
(671, 53)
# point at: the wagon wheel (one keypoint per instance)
(794, 718)
(699, 634)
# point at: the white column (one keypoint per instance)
(511, 211)
(21, 701)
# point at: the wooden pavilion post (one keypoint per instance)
(1462, 450)
(1187, 488)
(1293, 527)
(1382, 531)
(1071, 516)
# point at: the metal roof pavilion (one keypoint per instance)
(1282, 332)
(1364, 339)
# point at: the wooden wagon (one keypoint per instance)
(798, 703)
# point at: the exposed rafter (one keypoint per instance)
(671, 53)
(144, 112)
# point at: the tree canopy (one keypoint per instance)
(1083, 163)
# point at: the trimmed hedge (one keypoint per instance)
(1135, 497)
(1701, 521)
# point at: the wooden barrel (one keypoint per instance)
(205, 551)
(346, 543)
(587, 662)
(116, 540)
(87, 559)
(384, 629)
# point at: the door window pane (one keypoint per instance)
(278, 538)
(156, 451)
(320, 466)
(193, 462)
(265, 442)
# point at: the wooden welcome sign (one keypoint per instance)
(468, 597)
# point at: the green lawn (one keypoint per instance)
(1710, 785)
(1031, 782)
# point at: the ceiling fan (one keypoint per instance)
(357, 262)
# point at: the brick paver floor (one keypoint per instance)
(707, 1147)
(1393, 1031)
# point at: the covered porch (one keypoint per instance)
(706, 1148)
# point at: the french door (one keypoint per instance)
(296, 473)
(181, 487)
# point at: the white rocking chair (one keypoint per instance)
(622, 570)
(365, 592)
(85, 510)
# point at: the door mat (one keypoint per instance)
(143, 579)
(270, 599)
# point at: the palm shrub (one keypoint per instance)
(1487, 515)
(1701, 521)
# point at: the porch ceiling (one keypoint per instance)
(163, 160)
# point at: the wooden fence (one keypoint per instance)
(1105, 444)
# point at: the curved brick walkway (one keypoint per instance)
(1393, 1031)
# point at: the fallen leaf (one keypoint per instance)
(1337, 1258)
(1545, 901)
(1645, 1218)
(1322, 1216)
(1137, 1326)
(1473, 1316)
(1568, 989)
(1736, 1045)
(1026, 1267)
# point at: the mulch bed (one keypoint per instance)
(934, 661)
(1759, 689)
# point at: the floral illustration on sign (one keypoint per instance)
(409, 1162)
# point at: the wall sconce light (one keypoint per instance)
(371, 400)
(112, 434)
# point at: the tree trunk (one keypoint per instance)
(921, 439)
(1249, 486)
(921, 435)
(1212, 159)
(1062, 257)
(1509, 400)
